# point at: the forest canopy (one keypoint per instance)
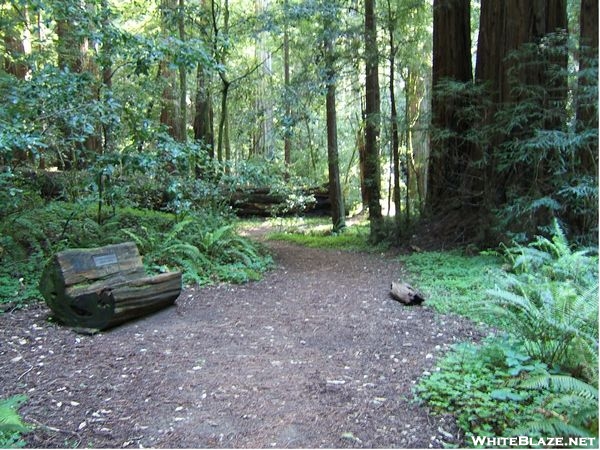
(478, 118)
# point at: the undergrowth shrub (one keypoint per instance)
(11, 424)
(549, 300)
(539, 378)
(472, 383)
(496, 389)
(205, 247)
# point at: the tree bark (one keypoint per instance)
(203, 116)
(170, 111)
(102, 287)
(451, 61)
(182, 76)
(406, 294)
(372, 118)
(335, 190)
(504, 64)
(220, 55)
(587, 104)
(287, 139)
(395, 142)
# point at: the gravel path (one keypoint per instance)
(314, 355)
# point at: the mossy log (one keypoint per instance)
(102, 287)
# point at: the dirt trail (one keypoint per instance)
(314, 355)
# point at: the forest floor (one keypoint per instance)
(314, 355)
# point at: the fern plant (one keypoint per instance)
(550, 301)
(569, 409)
(551, 322)
(203, 253)
(11, 424)
(166, 251)
(555, 259)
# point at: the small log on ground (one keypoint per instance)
(99, 288)
(406, 294)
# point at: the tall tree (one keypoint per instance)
(287, 140)
(372, 118)
(170, 111)
(519, 56)
(182, 75)
(203, 116)
(584, 219)
(106, 59)
(220, 50)
(262, 138)
(74, 25)
(335, 190)
(395, 141)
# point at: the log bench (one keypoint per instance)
(98, 288)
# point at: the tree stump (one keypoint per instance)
(98, 288)
(406, 294)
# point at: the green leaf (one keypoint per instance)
(506, 394)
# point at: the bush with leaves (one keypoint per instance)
(203, 254)
(540, 379)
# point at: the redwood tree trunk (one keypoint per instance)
(203, 122)
(394, 119)
(182, 132)
(503, 63)
(170, 107)
(451, 61)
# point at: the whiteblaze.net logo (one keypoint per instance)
(520, 441)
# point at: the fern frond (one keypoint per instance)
(10, 420)
(551, 426)
(189, 250)
(139, 241)
(560, 383)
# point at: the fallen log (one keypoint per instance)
(98, 288)
(406, 294)
(262, 202)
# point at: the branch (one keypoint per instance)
(254, 69)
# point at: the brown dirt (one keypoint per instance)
(314, 355)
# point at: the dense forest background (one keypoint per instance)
(466, 122)
(449, 123)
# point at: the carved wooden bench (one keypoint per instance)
(98, 288)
